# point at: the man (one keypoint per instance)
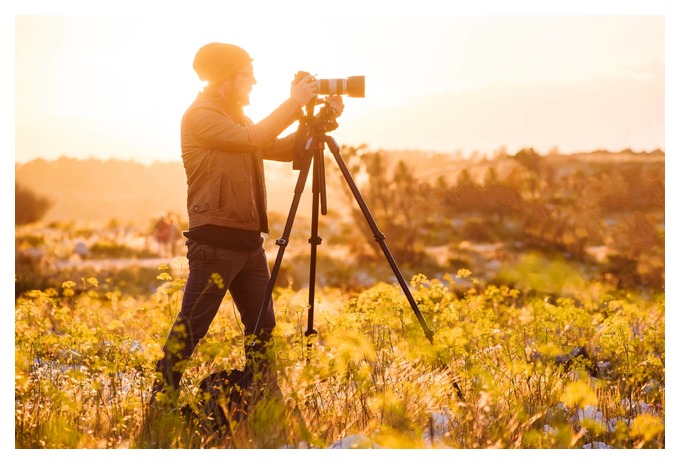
(223, 152)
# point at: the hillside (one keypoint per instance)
(99, 190)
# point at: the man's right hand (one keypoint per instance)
(303, 90)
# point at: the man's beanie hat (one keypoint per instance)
(216, 62)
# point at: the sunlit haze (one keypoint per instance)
(116, 86)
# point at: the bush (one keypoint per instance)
(29, 206)
(479, 230)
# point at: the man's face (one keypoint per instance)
(239, 86)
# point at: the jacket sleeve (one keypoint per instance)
(211, 128)
(282, 149)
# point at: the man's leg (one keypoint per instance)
(211, 270)
(249, 290)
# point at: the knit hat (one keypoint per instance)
(216, 62)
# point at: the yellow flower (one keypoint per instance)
(164, 276)
(647, 427)
(579, 394)
(217, 279)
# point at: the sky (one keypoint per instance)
(116, 85)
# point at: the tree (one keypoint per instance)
(399, 202)
(29, 206)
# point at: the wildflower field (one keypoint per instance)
(544, 288)
(85, 357)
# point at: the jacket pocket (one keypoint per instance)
(237, 200)
(209, 200)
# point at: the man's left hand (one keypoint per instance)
(336, 104)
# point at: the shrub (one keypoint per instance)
(29, 206)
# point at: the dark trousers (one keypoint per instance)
(213, 271)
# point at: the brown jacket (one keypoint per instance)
(223, 152)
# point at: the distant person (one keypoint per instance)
(223, 153)
(161, 234)
(166, 233)
(174, 234)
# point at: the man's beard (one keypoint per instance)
(241, 100)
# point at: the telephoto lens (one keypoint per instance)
(353, 86)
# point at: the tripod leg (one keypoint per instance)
(283, 241)
(314, 241)
(379, 236)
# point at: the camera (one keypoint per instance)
(324, 120)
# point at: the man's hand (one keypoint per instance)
(336, 105)
(303, 89)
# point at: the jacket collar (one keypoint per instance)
(230, 107)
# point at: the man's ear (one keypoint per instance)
(225, 86)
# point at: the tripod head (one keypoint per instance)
(321, 122)
(312, 129)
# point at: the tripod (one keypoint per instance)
(312, 154)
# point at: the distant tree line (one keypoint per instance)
(551, 203)
(564, 204)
